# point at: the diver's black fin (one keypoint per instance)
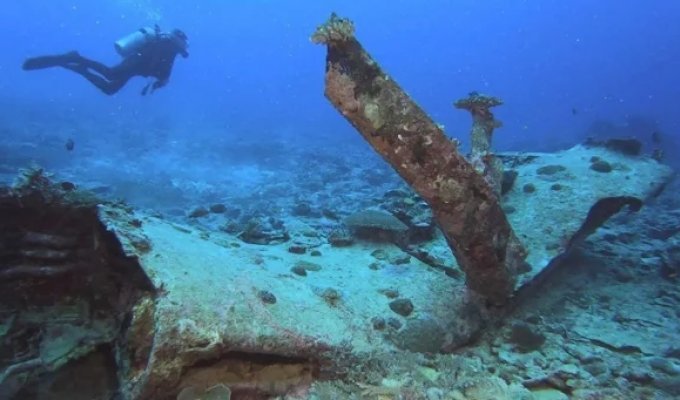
(50, 61)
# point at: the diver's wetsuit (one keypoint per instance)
(154, 59)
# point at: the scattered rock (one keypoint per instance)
(331, 296)
(526, 337)
(400, 259)
(266, 296)
(394, 323)
(315, 253)
(390, 293)
(299, 270)
(218, 208)
(601, 166)
(421, 335)
(308, 266)
(664, 365)
(376, 225)
(434, 393)
(670, 385)
(548, 394)
(556, 187)
(262, 230)
(379, 254)
(550, 169)
(340, 237)
(302, 209)
(529, 188)
(378, 323)
(403, 307)
(375, 266)
(297, 249)
(199, 212)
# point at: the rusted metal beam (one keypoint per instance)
(483, 125)
(465, 206)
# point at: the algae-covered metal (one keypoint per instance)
(465, 206)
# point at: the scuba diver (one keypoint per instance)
(147, 52)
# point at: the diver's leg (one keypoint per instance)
(103, 70)
(107, 86)
(43, 62)
(121, 71)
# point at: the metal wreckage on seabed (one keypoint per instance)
(102, 300)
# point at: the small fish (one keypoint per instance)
(70, 144)
(574, 111)
(656, 137)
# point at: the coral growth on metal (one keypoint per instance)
(466, 207)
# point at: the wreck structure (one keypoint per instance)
(103, 300)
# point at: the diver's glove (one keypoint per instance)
(151, 87)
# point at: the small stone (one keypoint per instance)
(525, 337)
(548, 394)
(375, 266)
(379, 254)
(309, 266)
(331, 296)
(596, 368)
(403, 307)
(434, 393)
(421, 335)
(556, 187)
(140, 243)
(400, 259)
(394, 323)
(340, 237)
(297, 249)
(199, 212)
(302, 209)
(390, 293)
(550, 169)
(298, 270)
(266, 296)
(664, 365)
(601, 166)
(315, 253)
(637, 376)
(378, 323)
(529, 188)
(218, 208)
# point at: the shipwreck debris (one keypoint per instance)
(483, 125)
(464, 204)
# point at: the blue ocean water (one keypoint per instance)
(242, 131)
(559, 66)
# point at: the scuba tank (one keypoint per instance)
(136, 40)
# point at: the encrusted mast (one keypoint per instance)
(465, 206)
(483, 125)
